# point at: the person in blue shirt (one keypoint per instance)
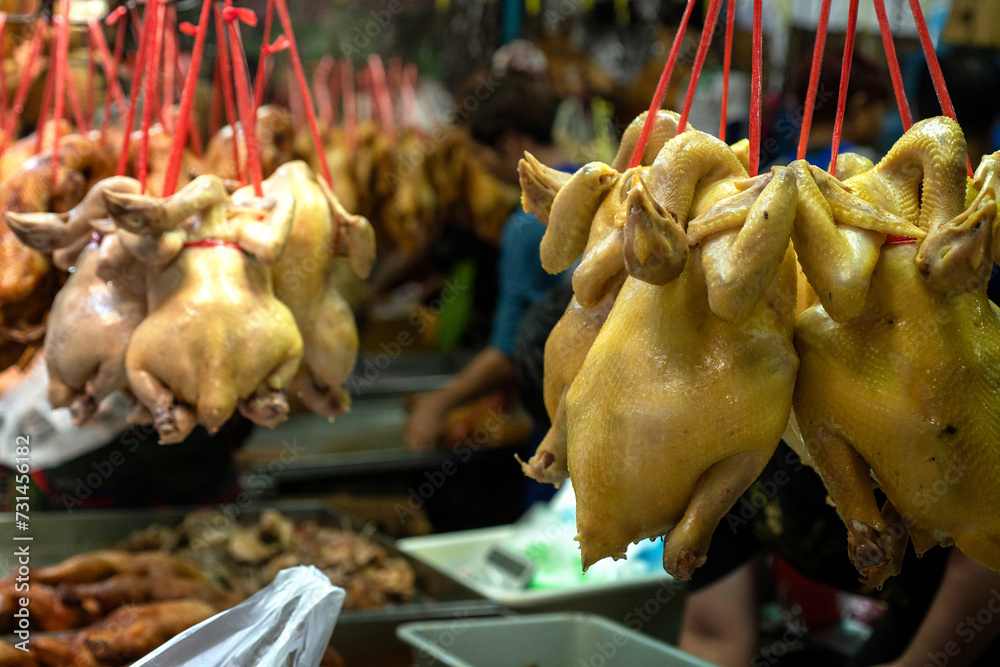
(517, 116)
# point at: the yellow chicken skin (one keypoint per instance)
(596, 281)
(687, 389)
(907, 390)
(215, 337)
(320, 231)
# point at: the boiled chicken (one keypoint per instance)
(94, 314)
(321, 230)
(215, 336)
(591, 207)
(900, 364)
(275, 141)
(687, 389)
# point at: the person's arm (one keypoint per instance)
(488, 371)
(720, 620)
(953, 630)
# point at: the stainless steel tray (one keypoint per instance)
(59, 535)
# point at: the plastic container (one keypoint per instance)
(652, 603)
(539, 640)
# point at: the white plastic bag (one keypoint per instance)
(287, 624)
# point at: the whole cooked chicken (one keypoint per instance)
(588, 219)
(899, 383)
(321, 230)
(94, 314)
(686, 391)
(215, 337)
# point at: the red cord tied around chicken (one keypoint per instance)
(215, 338)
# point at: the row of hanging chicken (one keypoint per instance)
(212, 299)
(714, 312)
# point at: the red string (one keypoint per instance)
(894, 73)
(321, 89)
(699, 61)
(286, 26)
(17, 108)
(74, 101)
(215, 110)
(755, 90)
(187, 103)
(212, 243)
(350, 104)
(61, 53)
(845, 76)
(380, 94)
(245, 101)
(158, 8)
(43, 111)
(91, 77)
(817, 61)
(3, 71)
(661, 89)
(137, 77)
(258, 87)
(226, 74)
(937, 76)
(730, 21)
(110, 66)
(169, 68)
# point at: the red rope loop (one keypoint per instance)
(894, 72)
(661, 89)
(699, 61)
(845, 76)
(755, 88)
(817, 61)
(242, 14)
(115, 15)
(730, 22)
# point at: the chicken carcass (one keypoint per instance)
(94, 314)
(321, 230)
(900, 364)
(215, 337)
(591, 202)
(645, 456)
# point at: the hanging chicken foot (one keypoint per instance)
(715, 493)
(875, 547)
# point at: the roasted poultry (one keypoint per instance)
(28, 281)
(691, 327)
(900, 364)
(321, 230)
(588, 220)
(94, 314)
(215, 336)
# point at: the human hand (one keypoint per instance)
(423, 426)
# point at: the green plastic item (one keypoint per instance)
(455, 305)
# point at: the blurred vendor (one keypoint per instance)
(517, 116)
